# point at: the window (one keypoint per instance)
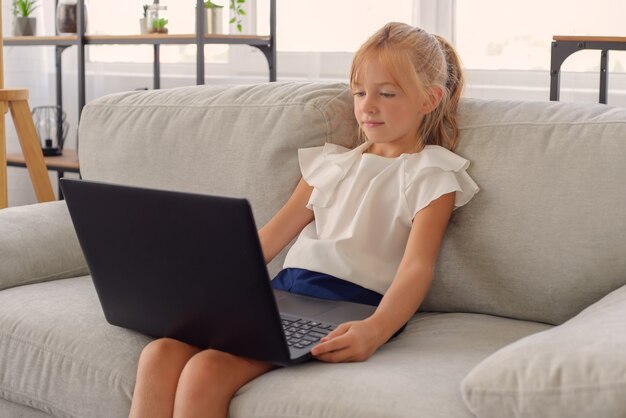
(505, 46)
(316, 39)
(331, 25)
(495, 34)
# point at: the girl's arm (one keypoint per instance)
(358, 340)
(287, 222)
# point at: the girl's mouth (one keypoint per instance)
(371, 124)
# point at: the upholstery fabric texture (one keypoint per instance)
(38, 243)
(237, 141)
(60, 356)
(577, 369)
(529, 246)
(543, 240)
(546, 236)
(15, 410)
(88, 369)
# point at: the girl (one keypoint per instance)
(370, 222)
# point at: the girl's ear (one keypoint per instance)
(433, 98)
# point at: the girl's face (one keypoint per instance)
(388, 116)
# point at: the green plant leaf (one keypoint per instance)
(232, 20)
(23, 8)
(241, 12)
(210, 5)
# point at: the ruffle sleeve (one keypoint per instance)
(434, 172)
(324, 167)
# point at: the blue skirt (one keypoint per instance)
(323, 286)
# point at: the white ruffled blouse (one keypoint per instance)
(364, 205)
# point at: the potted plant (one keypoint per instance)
(213, 17)
(159, 25)
(156, 22)
(23, 24)
(236, 7)
(143, 21)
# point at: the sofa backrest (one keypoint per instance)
(546, 236)
(543, 239)
(237, 141)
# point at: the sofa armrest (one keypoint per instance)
(38, 243)
(576, 369)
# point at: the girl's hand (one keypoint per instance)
(350, 341)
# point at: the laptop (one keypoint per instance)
(190, 267)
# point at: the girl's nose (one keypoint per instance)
(368, 105)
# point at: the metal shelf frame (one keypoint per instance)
(564, 46)
(266, 44)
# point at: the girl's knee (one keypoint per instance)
(220, 371)
(166, 349)
(208, 365)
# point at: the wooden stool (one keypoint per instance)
(16, 101)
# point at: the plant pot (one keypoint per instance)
(67, 17)
(143, 25)
(24, 26)
(213, 18)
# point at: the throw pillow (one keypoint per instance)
(577, 369)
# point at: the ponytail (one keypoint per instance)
(440, 127)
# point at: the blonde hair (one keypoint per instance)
(425, 61)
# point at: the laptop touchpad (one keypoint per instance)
(303, 306)
(329, 311)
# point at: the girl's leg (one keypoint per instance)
(210, 380)
(160, 365)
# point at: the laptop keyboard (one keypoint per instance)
(301, 333)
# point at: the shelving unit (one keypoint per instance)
(266, 44)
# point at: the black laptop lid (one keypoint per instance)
(179, 265)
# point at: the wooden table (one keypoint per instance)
(62, 163)
(564, 46)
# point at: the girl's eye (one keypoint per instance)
(358, 93)
(387, 94)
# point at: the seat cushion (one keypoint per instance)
(60, 356)
(418, 374)
(14, 410)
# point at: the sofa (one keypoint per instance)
(526, 315)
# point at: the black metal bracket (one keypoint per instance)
(561, 50)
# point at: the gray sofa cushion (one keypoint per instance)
(38, 243)
(234, 141)
(546, 236)
(14, 410)
(577, 369)
(60, 356)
